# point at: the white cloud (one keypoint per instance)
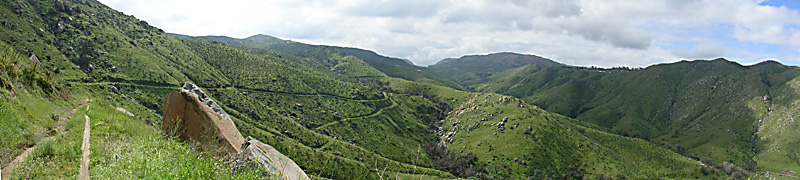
(579, 32)
(701, 51)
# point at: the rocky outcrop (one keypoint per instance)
(191, 114)
(257, 155)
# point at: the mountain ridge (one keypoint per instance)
(493, 62)
(345, 115)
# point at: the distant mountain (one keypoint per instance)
(291, 47)
(493, 63)
(393, 67)
(180, 35)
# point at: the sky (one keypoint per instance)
(605, 33)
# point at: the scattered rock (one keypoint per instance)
(114, 89)
(21, 5)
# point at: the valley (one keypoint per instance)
(348, 113)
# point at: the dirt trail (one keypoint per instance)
(83, 173)
(373, 114)
(58, 129)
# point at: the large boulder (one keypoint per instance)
(191, 114)
(255, 154)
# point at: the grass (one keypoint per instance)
(556, 147)
(704, 109)
(128, 148)
(58, 156)
(331, 110)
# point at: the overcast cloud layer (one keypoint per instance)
(577, 32)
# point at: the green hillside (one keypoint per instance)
(392, 67)
(493, 63)
(281, 102)
(513, 140)
(718, 111)
(345, 113)
(473, 67)
(43, 115)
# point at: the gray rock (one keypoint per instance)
(40, 31)
(257, 155)
(35, 59)
(188, 86)
(61, 27)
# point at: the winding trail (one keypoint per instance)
(59, 129)
(379, 111)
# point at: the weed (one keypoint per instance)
(47, 148)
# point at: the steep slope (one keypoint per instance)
(711, 110)
(513, 140)
(42, 125)
(283, 103)
(334, 116)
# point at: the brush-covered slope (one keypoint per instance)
(332, 112)
(472, 67)
(332, 127)
(44, 116)
(510, 139)
(30, 102)
(713, 110)
(87, 41)
(392, 67)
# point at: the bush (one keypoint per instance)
(461, 166)
(47, 149)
